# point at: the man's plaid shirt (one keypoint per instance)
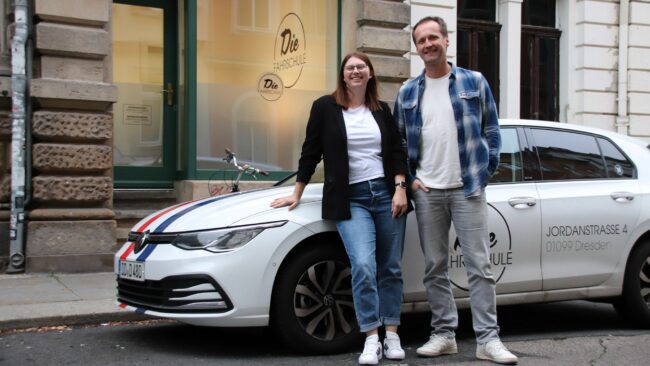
(477, 123)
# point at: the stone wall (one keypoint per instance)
(381, 34)
(71, 223)
(5, 133)
(596, 67)
(639, 69)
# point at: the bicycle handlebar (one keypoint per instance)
(231, 158)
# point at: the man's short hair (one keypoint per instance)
(441, 22)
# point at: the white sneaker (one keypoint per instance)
(371, 351)
(392, 347)
(438, 345)
(495, 351)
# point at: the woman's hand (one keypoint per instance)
(400, 202)
(290, 201)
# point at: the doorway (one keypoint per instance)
(145, 72)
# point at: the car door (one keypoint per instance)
(587, 190)
(514, 229)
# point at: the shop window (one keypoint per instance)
(254, 89)
(478, 40)
(540, 45)
(252, 15)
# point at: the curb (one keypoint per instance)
(82, 319)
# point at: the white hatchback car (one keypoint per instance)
(569, 219)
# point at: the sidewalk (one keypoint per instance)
(34, 300)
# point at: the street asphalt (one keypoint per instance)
(44, 300)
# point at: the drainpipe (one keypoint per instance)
(622, 119)
(18, 142)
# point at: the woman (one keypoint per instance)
(364, 192)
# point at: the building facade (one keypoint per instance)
(136, 100)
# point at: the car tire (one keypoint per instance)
(634, 304)
(311, 309)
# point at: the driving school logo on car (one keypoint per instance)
(500, 251)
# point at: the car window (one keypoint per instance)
(510, 168)
(568, 155)
(617, 165)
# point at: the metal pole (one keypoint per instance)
(19, 89)
(623, 118)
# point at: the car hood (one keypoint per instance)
(220, 211)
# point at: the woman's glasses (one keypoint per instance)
(359, 67)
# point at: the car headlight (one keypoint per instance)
(222, 240)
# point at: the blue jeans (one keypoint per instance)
(374, 241)
(435, 211)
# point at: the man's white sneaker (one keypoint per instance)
(371, 351)
(495, 351)
(438, 345)
(392, 347)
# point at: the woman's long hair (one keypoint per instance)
(372, 93)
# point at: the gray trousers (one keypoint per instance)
(435, 211)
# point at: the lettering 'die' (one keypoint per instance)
(289, 42)
(290, 54)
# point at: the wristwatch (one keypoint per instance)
(401, 184)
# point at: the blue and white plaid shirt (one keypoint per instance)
(477, 123)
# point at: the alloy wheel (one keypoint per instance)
(644, 277)
(323, 301)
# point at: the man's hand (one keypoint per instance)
(417, 184)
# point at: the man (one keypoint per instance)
(448, 118)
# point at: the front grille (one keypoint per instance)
(176, 294)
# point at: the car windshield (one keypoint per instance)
(318, 177)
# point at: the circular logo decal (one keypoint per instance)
(270, 87)
(290, 53)
(618, 169)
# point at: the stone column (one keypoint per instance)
(71, 225)
(510, 58)
(381, 35)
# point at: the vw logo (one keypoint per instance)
(329, 300)
(141, 242)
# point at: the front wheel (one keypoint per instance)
(312, 309)
(634, 304)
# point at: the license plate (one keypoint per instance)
(132, 270)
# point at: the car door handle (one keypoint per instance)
(622, 196)
(522, 202)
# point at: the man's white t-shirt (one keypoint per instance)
(439, 165)
(364, 145)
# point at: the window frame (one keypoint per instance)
(534, 77)
(474, 27)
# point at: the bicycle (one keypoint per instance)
(231, 158)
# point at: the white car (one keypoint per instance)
(569, 219)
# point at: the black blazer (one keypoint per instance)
(326, 138)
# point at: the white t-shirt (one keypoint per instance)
(364, 145)
(439, 165)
